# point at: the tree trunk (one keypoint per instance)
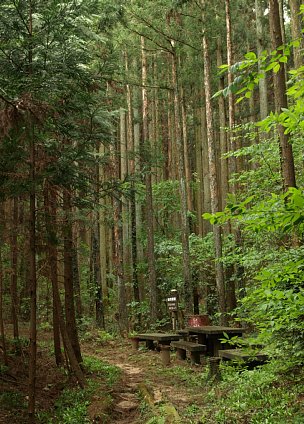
(70, 314)
(3, 342)
(50, 202)
(68, 348)
(188, 288)
(214, 189)
(296, 32)
(33, 283)
(76, 276)
(138, 206)
(131, 144)
(260, 36)
(149, 197)
(97, 274)
(14, 266)
(231, 106)
(186, 151)
(222, 130)
(286, 154)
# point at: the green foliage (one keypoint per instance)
(276, 309)
(262, 395)
(71, 406)
(109, 373)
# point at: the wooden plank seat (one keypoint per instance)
(150, 338)
(238, 355)
(195, 349)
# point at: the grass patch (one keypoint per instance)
(72, 405)
(268, 394)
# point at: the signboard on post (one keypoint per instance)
(172, 303)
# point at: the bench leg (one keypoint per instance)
(214, 368)
(195, 358)
(165, 354)
(181, 354)
(150, 344)
(135, 343)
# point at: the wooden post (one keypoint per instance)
(214, 369)
(165, 354)
(135, 343)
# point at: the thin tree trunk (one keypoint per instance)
(286, 154)
(51, 230)
(103, 230)
(32, 244)
(70, 314)
(68, 348)
(186, 151)
(149, 197)
(199, 172)
(131, 144)
(188, 288)
(76, 276)
(33, 283)
(260, 36)
(296, 32)
(231, 106)
(14, 266)
(222, 131)
(234, 163)
(97, 274)
(205, 174)
(214, 189)
(3, 342)
(138, 206)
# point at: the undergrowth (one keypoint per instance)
(270, 394)
(71, 406)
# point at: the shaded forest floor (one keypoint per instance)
(151, 390)
(127, 386)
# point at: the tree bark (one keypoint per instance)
(14, 266)
(2, 330)
(222, 131)
(131, 144)
(33, 281)
(286, 154)
(188, 288)
(51, 231)
(214, 189)
(70, 314)
(149, 197)
(260, 35)
(296, 32)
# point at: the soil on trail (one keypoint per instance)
(146, 388)
(144, 373)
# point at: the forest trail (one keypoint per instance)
(165, 388)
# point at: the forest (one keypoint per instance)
(150, 148)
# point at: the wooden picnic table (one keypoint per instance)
(210, 336)
(162, 338)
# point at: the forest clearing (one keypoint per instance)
(151, 211)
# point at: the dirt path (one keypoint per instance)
(174, 387)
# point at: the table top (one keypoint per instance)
(161, 337)
(214, 329)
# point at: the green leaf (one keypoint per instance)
(250, 56)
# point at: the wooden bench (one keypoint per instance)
(239, 355)
(195, 349)
(150, 338)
